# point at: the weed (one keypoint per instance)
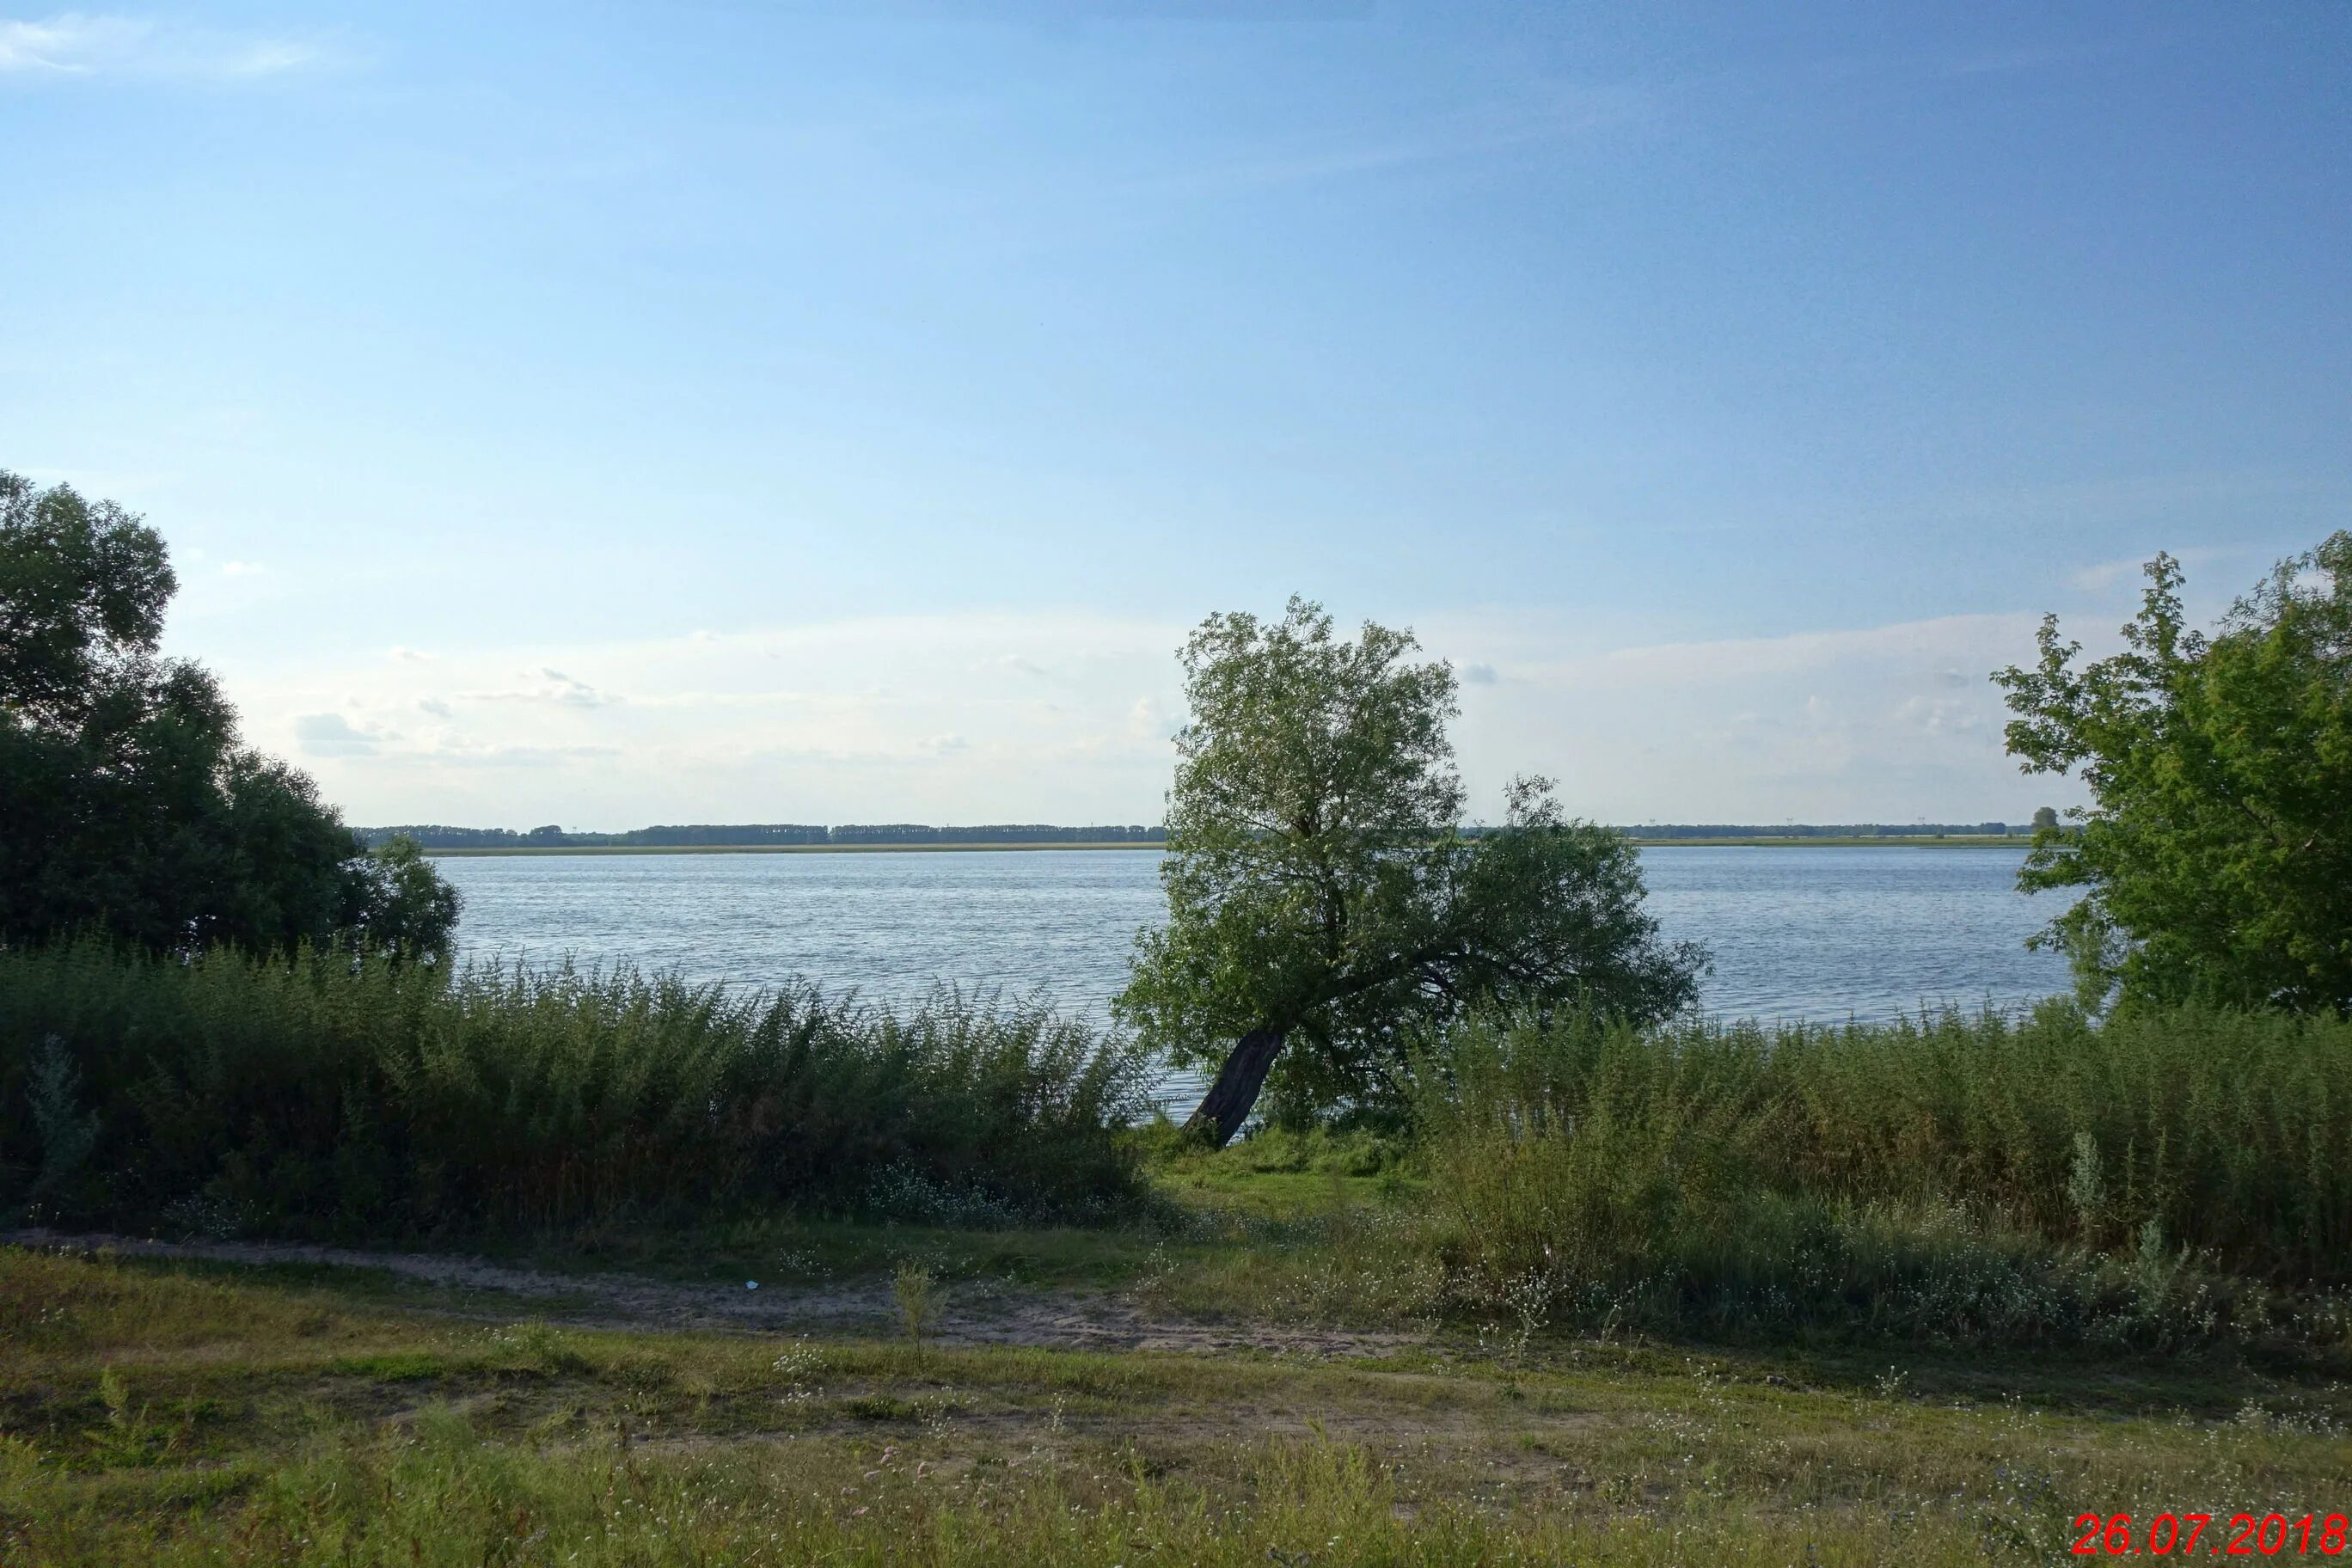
(914, 1291)
(67, 1132)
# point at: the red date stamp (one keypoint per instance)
(2244, 1534)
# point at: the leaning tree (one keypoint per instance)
(1325, 908)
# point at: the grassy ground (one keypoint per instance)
(184, 1411)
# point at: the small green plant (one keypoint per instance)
(916, 1292)
(114, 1395)
(2154, 1268)
(128, 1436)
(543, 1344)
(2086, 1189)
(67, 1132)
(1530, 1297)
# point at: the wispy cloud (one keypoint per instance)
(332, 735)
(547, 685)
(2104, 575)
(1874, 723)
(72, 44)
(1561, 112)
(699, 727)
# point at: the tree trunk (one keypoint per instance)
(1227, 1104)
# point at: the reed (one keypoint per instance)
(339, 1097)
(2011, 1179)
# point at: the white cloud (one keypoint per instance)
(900, 719)
(466, 756)
(546, 685)
(932, 718)
(332, 735)
(1148, 720)
(74, 45)
(2105, 575)
(2102, 575)
(67, 42)
(1880, 723)
(574, 694)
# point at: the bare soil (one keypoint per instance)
(987, 1313)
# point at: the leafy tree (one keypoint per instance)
(2044, 817)
(2217, 859)
(126, 804)
(1322, 897)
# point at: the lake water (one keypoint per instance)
(1819, 933)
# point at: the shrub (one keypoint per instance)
(1978, 1177)
(330, 1094)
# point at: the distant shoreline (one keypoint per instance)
(1852, 841)
(473, 851)
(1951, 841)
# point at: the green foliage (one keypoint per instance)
(1318, 885)
(394, 902)
(1964, 1176)
(914, 1293)
(127, 805)
(67, 1132)
(82, 591)
(334, 1095)
(2217, 860)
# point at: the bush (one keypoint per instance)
(334, 1095)
(1976, 1177)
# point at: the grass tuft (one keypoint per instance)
(332, 1096)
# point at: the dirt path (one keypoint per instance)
(993, 1314)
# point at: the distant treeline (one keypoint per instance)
(1820, 830)
(434, 836)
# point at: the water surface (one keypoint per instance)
(1820, 933)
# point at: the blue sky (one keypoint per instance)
(619, 413)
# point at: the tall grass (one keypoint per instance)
(326, 1096)
(2006, 1179)
(432, 1492)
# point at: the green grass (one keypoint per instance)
(2162, 1179)
(324, 1097)
(1917, 1293)
(148, 1414)
(2231, 1132)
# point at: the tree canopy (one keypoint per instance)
(1323, 897)
(2216, 857)
(127, 805)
